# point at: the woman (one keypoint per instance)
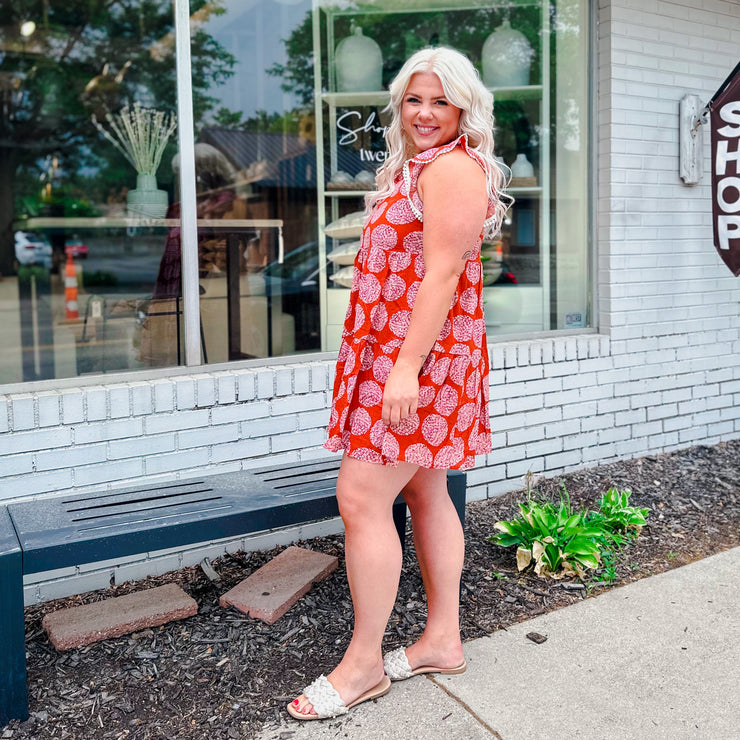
(410, 393)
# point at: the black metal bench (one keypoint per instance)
(59, 531)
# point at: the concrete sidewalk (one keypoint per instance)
(656, 659)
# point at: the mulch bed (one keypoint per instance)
(222, 675)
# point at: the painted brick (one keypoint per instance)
(28, 485)
(176, 461)
(579, 410)
(596, 422)
(96, 401)
(319, 378)
(246, 386)
(242, 450)
(205, 436)
(522, 467)
(41, 439)
(164, 395)
(301, 380)
(108, 471)
(141, 398)
(106, 430)
(240, 412)
(120, 404)
(174, 422)
(226, 386)
(185, 393)
(71, 457)
(298, 440)
(313, 419)
(544, 447)
(524, 403)
(205, 390)
(614, 434)
(73, 410)
(22, 407)
(527, 434)
(663, 411)
(520, 373)
(4, 411)
(136, 446)
(268, 427)
(295, 404)
(16, 465)
(283, 381)
(265, 384)
(544, 416)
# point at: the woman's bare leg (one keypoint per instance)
(440, 549)
(365, 493)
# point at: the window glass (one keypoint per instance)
(533, 56)
(255, 152)
(86, 151)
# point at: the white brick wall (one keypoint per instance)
(663, 373)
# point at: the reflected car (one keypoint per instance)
(76, 248)
(296, 281)
(32, 249)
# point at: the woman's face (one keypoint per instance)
(427, 117)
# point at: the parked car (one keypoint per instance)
(32, 249)
(76, 248)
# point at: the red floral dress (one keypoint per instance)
(451, 425)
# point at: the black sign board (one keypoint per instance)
(725, 117)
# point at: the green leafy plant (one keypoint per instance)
(563, 542)
(616, 513)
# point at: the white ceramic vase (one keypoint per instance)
(358, 63)
(507, 58)
(522, 167)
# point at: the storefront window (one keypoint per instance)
(533, 55)
(288, 99)
(255, 159)
(86, 91)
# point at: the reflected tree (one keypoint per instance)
(61, 61)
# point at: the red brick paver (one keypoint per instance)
(270, 591)
(82, 625)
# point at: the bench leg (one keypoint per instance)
(456, 484)
(13, 690)
(399, 519)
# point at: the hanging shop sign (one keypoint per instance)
(724, 109)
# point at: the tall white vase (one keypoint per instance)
(507, 58)
(358, 63)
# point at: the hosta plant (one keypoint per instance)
(561, 542)
(616, 513)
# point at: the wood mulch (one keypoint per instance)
(222, 675)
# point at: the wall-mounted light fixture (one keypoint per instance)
(690, 139)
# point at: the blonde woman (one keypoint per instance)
(411, 389)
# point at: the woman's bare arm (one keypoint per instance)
(453, 190)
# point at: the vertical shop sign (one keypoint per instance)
(725, 119)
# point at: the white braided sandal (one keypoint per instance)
(326, 700)
(398, 668)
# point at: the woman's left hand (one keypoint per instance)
(401, 394)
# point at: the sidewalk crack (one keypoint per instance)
(467, 708)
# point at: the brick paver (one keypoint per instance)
(82, 625)
(270, 591)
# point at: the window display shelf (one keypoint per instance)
(346, 193)
(339, 99)
(525, 92)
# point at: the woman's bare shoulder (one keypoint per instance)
(453, 169)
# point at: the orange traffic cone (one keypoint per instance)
(70, 289)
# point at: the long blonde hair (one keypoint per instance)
(464, 89)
